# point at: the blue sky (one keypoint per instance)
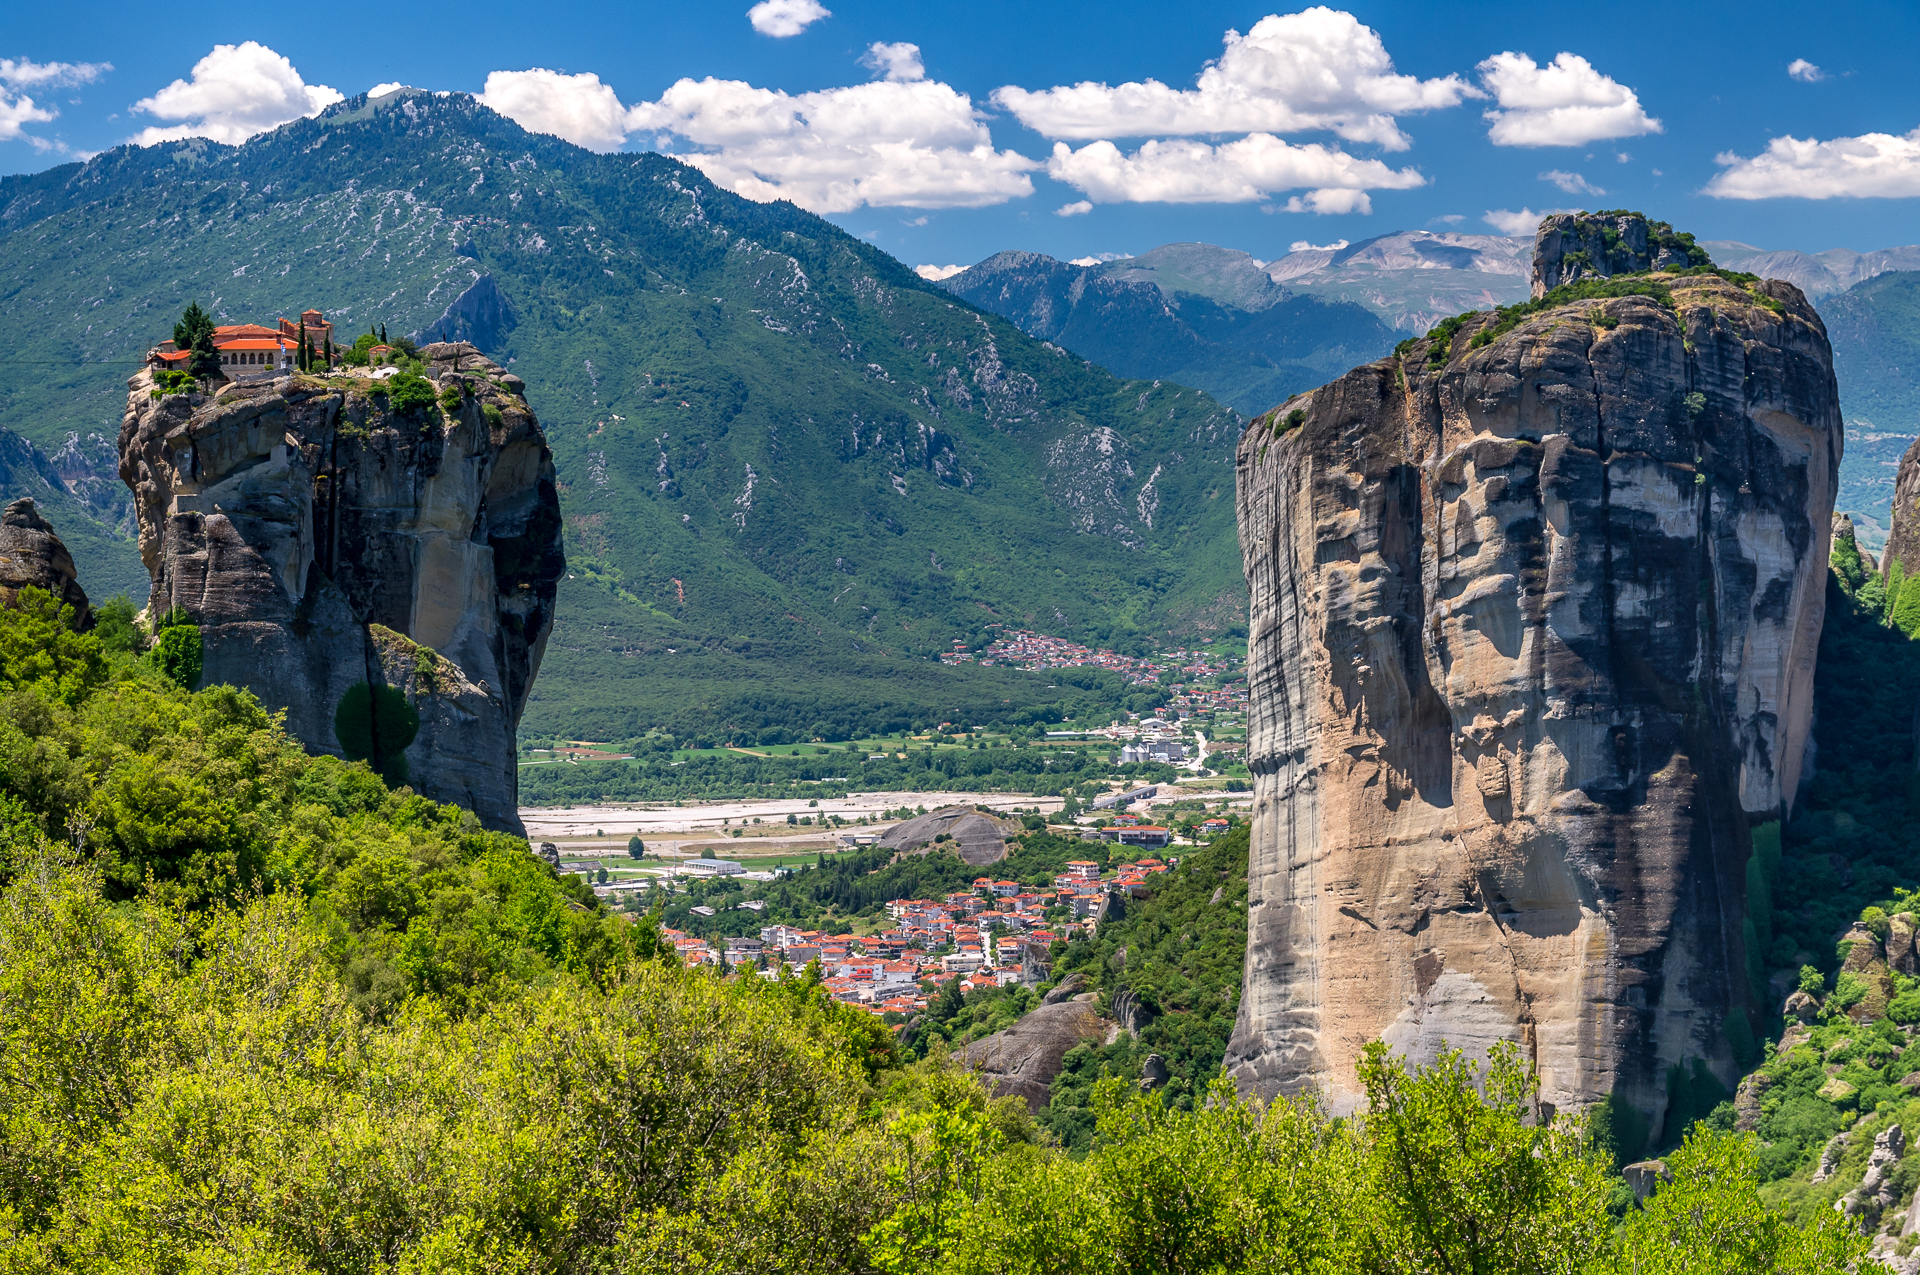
(930, 128)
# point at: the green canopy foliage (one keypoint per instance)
(375, 724)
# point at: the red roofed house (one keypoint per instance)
(248, 350)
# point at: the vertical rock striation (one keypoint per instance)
(320, 539)
(1533, 626)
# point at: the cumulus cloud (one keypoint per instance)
(1181, 172)
(891, 143)
(1078, 208)
(1307, 245)
(1565, 103)
(18, 109)
(1873, 165)
(1572, 183)
(934, 274)
(577, 108)
(1524, 222)
(381, 90)
(782, 18)
(897, 62)
(235, 92)
(1317, 70)
(1801, 69)
(1447, 219)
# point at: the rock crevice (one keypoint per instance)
(1533, 625)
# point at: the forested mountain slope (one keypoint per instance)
(791, 470)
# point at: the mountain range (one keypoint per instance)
(792, 472)
(1254, 332)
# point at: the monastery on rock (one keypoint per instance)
(247, 349)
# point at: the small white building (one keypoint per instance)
(712, 868)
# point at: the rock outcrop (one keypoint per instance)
(32, 556)
(978, 838)
(1534, 613)
(1903, 536)
(322, 539)
(1023, 1060)
(1570, 247)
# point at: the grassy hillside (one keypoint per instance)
(792, 471)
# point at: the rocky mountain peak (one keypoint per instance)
(1570, 247)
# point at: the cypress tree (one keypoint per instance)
(301, 360)
(328, 364)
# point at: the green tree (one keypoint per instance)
(180, 653)
(375, 724)
(193, 324)
(1466, 1177)
(1709, 1220)
(636, 848)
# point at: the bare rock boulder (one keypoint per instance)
(320, 539)
(1534, 613)
(32, 556)
(1024, 1059)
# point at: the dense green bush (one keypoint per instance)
(375, 724)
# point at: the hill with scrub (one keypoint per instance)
(792, 472)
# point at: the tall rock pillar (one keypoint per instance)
(329, 532)
(1534, 613)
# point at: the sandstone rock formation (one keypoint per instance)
(1024, 1059)
(1570, 247)
(321, 540)
(33, 556)
(1533, 625)
(979, 839)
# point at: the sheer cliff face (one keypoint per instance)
(1532, 644)
(319, 540)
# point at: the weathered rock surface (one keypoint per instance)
(1877, 1191)
(1024, 1059)
(1570, 247)
(320, 540)
(1533, 629)
(1903, 535)
(978, 838)
(32, 555)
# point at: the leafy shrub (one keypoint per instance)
(375, 724)
(179, 653)
(1849, 989)
(408, 392)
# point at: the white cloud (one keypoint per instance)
(1078, 208)
(578, 108)
(897, 62)
(18, 109)
(1524, 222)
(891, 143)
(236, 91)
(782, 18)
(1307, 245)
(26, 73)
(1872, 165)
(1565, 103)
(1448, 219)
(381, 90)
(1801, 69)
(1320, 69)
(1572, 183)
(1179, 172)
(934, 274)
(1101, 259)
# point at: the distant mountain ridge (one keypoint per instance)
(1192, 313)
